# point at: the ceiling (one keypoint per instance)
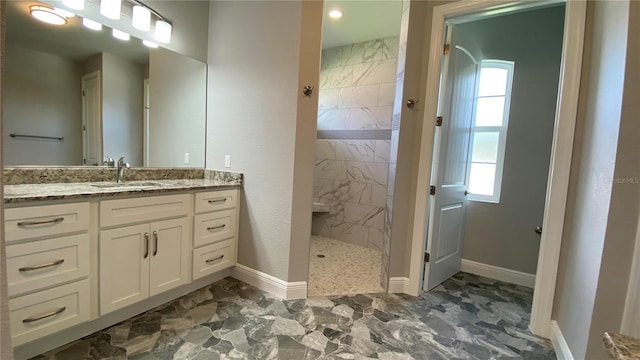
(363, 20)
(72, 40)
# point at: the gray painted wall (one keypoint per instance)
(42, 96)
(178, 109)
(255, 115)
(602, 213)
(502, 234)
(122, 105)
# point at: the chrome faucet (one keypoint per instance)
(121, 166)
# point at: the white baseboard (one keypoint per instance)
(498, 273)
(398, 285)
(270, 284)
(560, 343)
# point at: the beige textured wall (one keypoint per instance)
(253, 116)
(604, 194)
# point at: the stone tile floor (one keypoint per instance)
(467, 317)
(343, 269)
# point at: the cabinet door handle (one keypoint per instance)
(209, 261)
(146, 245)
(214, 228)
(218, 201)
(33, 223)
(42, 266)
(44, 316)
(155, 243)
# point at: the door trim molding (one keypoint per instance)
(631, 316)
(562, 148)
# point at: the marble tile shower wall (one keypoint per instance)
(357, 92)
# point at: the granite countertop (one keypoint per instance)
(79, 190)
(622, 347)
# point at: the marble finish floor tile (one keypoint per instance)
(343, 269)
(467, 317)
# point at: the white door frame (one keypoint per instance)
(561, 152)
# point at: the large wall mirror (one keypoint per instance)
(74, 96)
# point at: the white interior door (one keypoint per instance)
(447, 212)
(91, 119)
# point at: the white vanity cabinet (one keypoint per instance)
(215, 228)
(47, 268)
(145, 259)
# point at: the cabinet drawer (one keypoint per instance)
(45, 312)
(211, 258)
(211, 227)
(216, 200)
(127, 211)
(48, 220)
(38, 264)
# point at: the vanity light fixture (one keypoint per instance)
(335, 13)
(74, 4)
(149, 44)
(46, 14)
(110, 8)
(90, 24)
(141, 18)
(163, 31)
(121, 35)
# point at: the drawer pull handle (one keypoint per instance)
(214, 228)
(37, 267)
(209, 261)
(146, 245)
(218, 201)
(155, 243)
(44, 316)
(33, 223)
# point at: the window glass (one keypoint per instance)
(485, 147)
(489, 111)
(493, 81)
(482, 179)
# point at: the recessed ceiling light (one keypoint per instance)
(150, 44)
(90, 24)
(121, 35)
(47, 14)
(64, 13)
(335, 14)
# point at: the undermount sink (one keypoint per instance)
(126, 185)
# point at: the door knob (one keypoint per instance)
(538, 230)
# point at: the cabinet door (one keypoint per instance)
(169, 255)
(124, 266)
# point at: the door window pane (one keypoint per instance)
(482, 179)
(490, 111)
(485, 147)
(493, 81)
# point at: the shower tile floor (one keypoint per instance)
(340, 268)
(466, 317)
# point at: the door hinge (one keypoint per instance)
(426, 257)
(84, 161)
(432, 190)
(84, 127)
(84, 93)
(446, 49)
(439, 121)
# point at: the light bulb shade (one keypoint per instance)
(90, 24)
(149, 44)
(74, 4)
(163, 32)
(121, 35)
(47, 15)
(110, 8)
(141, 18)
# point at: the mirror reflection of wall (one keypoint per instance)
(90, 90)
